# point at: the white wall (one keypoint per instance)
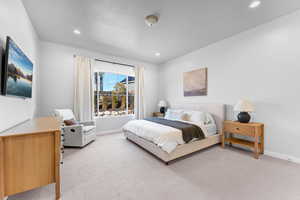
(263, 65)
(15, 23)
(57, 75)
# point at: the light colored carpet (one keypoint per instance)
(113, 168)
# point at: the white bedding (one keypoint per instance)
(211, 129)
(167, 138)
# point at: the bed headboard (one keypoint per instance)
(217, 110)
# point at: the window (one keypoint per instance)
(114, 91)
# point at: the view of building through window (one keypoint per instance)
(114, 94)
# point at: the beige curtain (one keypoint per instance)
(83, 93)
(139, 106)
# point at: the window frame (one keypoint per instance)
(97, 90)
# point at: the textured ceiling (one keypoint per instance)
(117, 26)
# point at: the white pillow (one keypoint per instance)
(209, 119)
(197, 116)
(174, 114)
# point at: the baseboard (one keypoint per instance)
(282, 156)
(101, 133)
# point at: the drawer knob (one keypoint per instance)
(237, 128)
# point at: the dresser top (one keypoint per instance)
(245, 124)
(34, 126)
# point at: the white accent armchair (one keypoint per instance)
(78, 135)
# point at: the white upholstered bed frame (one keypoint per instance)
(218, 112)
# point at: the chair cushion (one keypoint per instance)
(88, 128)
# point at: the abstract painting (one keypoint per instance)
(195, 82)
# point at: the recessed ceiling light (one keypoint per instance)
(254, 4)
(157, 54)
(77, 32)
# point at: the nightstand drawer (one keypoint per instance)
(240, 129)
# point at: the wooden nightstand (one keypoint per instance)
(158, 114)
(254, 130)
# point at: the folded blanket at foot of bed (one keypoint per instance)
(189, 131)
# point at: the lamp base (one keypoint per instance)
(244, 117)
(162, 110)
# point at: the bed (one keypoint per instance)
(218, 113)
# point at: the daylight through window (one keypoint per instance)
(114, 92)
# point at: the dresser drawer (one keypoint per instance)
(239, 129)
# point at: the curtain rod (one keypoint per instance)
(115, 63)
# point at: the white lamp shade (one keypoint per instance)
(162, 104)
(244, 106)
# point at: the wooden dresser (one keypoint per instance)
(30, 156)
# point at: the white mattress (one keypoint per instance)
(164, 136)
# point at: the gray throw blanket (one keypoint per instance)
(189, 131)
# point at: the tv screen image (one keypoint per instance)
(19, 72)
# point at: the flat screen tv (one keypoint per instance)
(17, 72)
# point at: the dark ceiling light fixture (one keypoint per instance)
(150, 20)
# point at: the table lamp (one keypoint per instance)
(244, 106)
(162, 105)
